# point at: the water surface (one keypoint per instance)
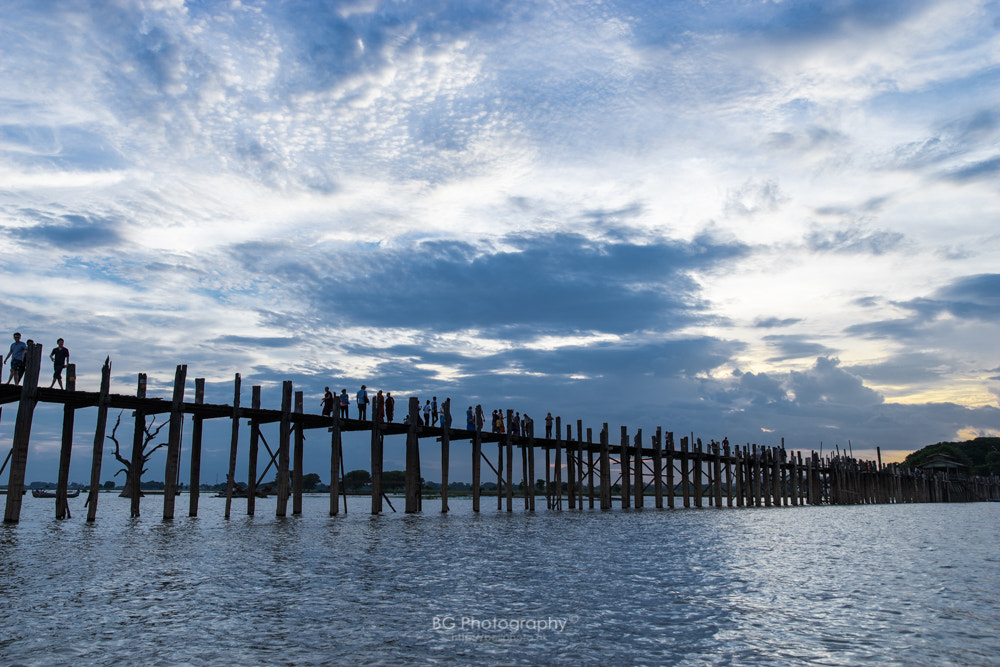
(892, 585)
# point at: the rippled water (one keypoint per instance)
(888, 585)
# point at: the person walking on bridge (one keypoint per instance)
(362, 401)
(59, 356)
(327, 401)
(16, 356)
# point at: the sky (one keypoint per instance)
(761, 220)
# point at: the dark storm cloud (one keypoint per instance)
(544, 284)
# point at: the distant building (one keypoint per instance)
(941, 463)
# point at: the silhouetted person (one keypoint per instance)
(390, 406)
(362, 401)
(16, 356)
(59, 356)
(345, 402)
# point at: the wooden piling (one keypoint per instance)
(776, 482)
(477, 460)
(525, 480)
(783, 471)
(638, 485)
(658, 468)
(626, 469)
(570, 469)
(445, 452)
(412, 462)
(810, 482)
(590, 469)
(499, 471)
(412, 459)
(557, 501)
(99, 435)
(729, 474)
(717, 474)
(176, 430)
(531, 471)
(685, 487)
(758, 482)
(254, 446)
(196, 432)
(234, 439)
(793, 480)
(66, 448)
(766, 481)
(740, 489)
(22, 432)
(509, 438)
(297, 457)
(284, 447)
(605, 469)
(336, 461)
(579, 462)
(138, 445)
(669, 465)
(548, 477)
(697, 460)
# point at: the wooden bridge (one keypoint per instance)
(687, 473)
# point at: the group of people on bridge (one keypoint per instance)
(385, 408)
(59, 357)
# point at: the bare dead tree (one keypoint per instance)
(136, 469)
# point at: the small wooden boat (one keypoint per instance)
(49, 493)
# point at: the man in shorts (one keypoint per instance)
(16, 356)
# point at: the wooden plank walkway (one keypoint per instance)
(699, 474)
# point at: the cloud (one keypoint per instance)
(754, 197)
(517, 287)
(976, 171)
(255, 341)
(775, 322)
(794, 347)
(906, 368)
(972, 298)
(72, 233)
(853, 240)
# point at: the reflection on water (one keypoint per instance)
(894, 584)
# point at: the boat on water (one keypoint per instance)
(240, 490)
(49, 493)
